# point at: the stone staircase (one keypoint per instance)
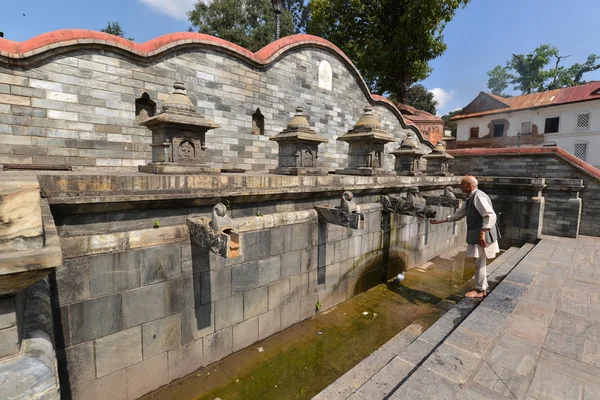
(384, 371)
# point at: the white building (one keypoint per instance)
(568, 118)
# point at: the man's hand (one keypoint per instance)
(482, 241)
(437, 221)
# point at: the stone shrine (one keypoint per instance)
(298, 147)
(178, 137)
(409, 159)
(367, 141)
(438, 161)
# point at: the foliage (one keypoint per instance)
(391, 42)
(156, 223)
(300, 14)
(114, 28)
(247, 23)
(539, 71)
(451, 124)
(421, 99)
(318, 306)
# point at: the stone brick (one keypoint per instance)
(95, 318)
(229, 311)
(78, 363)
(179, 294)
(146, 376)
(161, 335)
(112, 273)
(143, 305)
(310, 259)
(290, 263)
(256, 245)
(9, 342)
(214, 285)
(245, 333)
(281, 240)
(279, 293)
(308, 306)
(299, 286)
(256, 273)
(103, 388)
(185, 360)
(290, 314)
(117, 351)
(256, 302)
(269, 323)
(197, 322)
(160, 263)
(218, 345)
(73, 280)
(8, 314)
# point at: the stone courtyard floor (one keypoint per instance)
(535, 336)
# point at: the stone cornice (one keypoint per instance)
(37, 50)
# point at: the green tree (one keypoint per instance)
(114, 28)
(451, 124)
(539, 71)
(248, 23)
(300, 14)
(421, 99)
(390, 41)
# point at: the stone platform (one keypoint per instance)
(536, 336)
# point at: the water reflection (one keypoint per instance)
(298, 363)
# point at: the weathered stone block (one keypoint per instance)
(8, 312)
(310, 259)
(229, 311)
(197, 322)
(143, 305)
(256, 245)
(79, 363)
(9, 342)
(299, 286)
(218, 345)
(103, 388)
(253, 274)
(161, 335)
(179, 294)
(302, 235)
(279, 293)
(146, 376)
(73, 280)
(112, 273)
(161, 263)
(269, 323)
(308, 306)
(117, 351)
(245, 333)
(256, 302)
(95, 318)
(214, 285)
(290, 263)
(290, 314)
(185, 359)
(281, 240)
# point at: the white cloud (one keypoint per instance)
(173, 8)
(442, 97)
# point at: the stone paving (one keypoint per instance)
(536, 336)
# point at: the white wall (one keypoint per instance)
(567, 136)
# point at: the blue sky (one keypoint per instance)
(483, 35)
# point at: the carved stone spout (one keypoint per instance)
(216, 235)
(348, 214)
(414, 204)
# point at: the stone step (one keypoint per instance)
(384, 370)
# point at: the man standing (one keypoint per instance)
(482, 232)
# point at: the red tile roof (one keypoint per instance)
(573, 94)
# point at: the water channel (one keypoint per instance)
(304, 359)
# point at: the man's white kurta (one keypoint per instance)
(483, 204)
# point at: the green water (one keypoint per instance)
(298, 363)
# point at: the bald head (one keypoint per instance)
(468, 184)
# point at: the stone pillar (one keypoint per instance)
(367, 141)
(562, 212)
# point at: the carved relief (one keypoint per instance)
(308, 159)
(377, 159)
(187, 152)
(325, 76)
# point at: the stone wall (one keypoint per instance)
(137, 307)
(76, 104)
(541, 163)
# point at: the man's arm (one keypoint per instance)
(459, 214)
(485, 209)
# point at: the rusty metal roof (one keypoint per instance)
(573, 94)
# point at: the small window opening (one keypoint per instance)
(258, 123)
(526, 127)
(498, 130)
(474, 132)
(551, 125)
(583, 121)
(580, 151)
(144, 107)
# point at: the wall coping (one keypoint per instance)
(556, 152)
(38, 49)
